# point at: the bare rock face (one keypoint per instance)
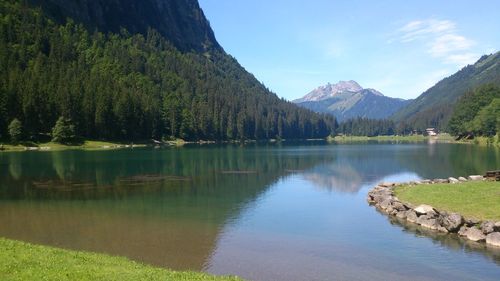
(475, 234)
(452, 222)
(493, 239)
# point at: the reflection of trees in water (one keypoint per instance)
(445, 160)
(450, 241)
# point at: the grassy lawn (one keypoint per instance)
(21, 261)
(480, 200)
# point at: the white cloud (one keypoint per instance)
(440, 39)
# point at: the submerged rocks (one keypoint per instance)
(493, 239)
(382, 196)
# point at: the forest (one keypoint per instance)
(123, 86)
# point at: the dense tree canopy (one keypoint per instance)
(133, 86)
(477, 112)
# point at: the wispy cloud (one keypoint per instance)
(440, 38)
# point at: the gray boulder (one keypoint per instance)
(424, 209)
(440, 180)
(493, 239)
(398, 206)
(497, 226)
(401, 214)
(475, 235)
(463, 230)
(462, 179)
(452, 222)
(428, 222)
(471, 221)
(488, 227)
(411, 216)
(476, 178)
(453, 180)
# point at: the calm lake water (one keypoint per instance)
(263, 212)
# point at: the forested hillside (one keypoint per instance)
(477, 112)
(134, 84)
(435, 106)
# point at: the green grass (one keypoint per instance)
(22, 261)
(52, 146)
(479, 200)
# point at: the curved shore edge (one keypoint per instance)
(383, 198)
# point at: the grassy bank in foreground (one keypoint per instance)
(479, 200)
(22, 261)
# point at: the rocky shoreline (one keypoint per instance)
(383, 198)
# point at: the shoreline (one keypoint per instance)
(384, 199)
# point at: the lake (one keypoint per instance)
(284, 211)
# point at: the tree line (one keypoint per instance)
(122, 86)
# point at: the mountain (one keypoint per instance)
(435, 106)
(133, 70)
(347, 99)
(182, 22)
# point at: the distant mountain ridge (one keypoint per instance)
(347, 99)
(435, 106)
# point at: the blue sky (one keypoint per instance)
(400, 48)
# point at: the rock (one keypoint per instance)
(387, 184)
(425, 182)
(475, 234)
(476, 178)
(488, 227)
(497, 226)
(398, 206)
(428, 222)
(424, 209)
(463, 230)
(493, 239)
(471, 221)
(401, 215)
(440, 180)
(442, 229)
(462, 179)
(452, 222)
(386, 204)
(453, 180)
(411, 216)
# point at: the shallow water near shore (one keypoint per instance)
(290, 211)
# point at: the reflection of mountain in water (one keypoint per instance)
(357, 165)
(160, 207)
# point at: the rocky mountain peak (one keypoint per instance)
(330, 90)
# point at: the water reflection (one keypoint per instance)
(192, 207)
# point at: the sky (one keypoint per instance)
(400, 48)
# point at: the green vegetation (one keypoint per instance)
(435, 106)
(54, 146)
(132, 86)
(63, 131)
(477, 112)
(471, 199)
(369, 127)
(21, 261)
(15, 130)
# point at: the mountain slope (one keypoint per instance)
(182, 22)
(347, 99)
(140, 83)
(435, 106)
